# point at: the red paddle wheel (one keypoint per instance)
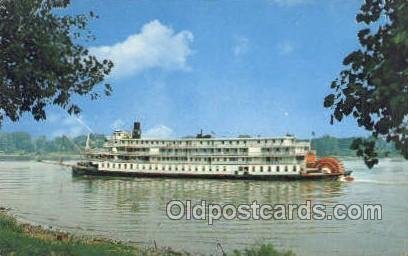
(328, 165)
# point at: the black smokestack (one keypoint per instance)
(137, 132)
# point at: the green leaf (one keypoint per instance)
(329, 101)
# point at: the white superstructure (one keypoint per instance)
(201, 156)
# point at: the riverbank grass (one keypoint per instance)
(262, 250)
(24, 239)
(20, 239)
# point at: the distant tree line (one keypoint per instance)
(332, 146)
(23, 142)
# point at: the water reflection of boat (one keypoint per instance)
(142, 190)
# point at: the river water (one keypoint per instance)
(134, 209)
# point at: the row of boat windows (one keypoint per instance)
(205, 150)
(209, 150)
(273, 160)
(200, 142)
(269, 168)
(221, 150)
(213, 159)
(216, 159)
(185, 150)
(197, 168)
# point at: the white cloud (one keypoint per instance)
(288, 2)
(159, 131)
(286, 47)
(241, 46)
(155, 46)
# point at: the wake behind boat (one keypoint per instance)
(127, 154)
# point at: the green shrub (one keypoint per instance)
(262, 250)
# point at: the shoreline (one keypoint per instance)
(35, 237)
(37, 157)
(19, 237)
(58, 233)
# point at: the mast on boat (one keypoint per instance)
(87, 144)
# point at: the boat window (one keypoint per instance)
(277, 168)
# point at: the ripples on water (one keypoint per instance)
(133, 209)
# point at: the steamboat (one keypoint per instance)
(203, 156)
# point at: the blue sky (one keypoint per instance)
(230, 67)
